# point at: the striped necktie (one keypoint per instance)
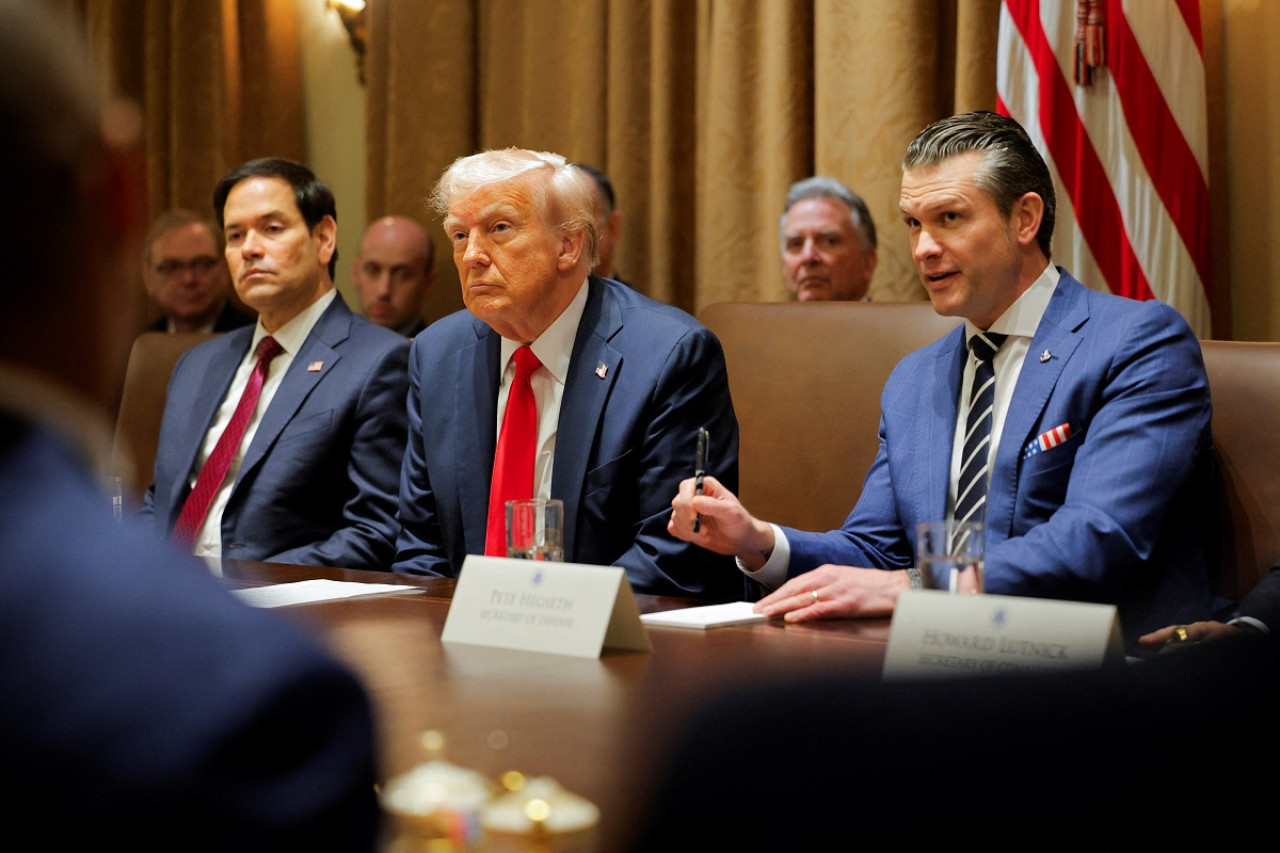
(971, 491)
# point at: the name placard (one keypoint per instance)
(937, 634)
(558, 608)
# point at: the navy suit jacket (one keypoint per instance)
(1119, 513)
(317, 486)
(627, 436)
(145, 698)
(1263, 601)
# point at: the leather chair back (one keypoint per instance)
(806, 382)
(146, 386)
(1244, 381)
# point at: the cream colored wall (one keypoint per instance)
(334, 107)
(1250, 31)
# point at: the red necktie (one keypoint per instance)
(517, 447)
(216, 466)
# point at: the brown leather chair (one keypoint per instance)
(1244, 381)
(146, 385)
(806, 382)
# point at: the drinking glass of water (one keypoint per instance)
(950, 555)
(535, 529)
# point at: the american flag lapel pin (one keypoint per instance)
(602, 369)
(315, 367)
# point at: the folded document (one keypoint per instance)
(708, 616)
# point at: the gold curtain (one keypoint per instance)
(702, 113)
(218, 83)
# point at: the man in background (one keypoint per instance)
(393, 274)
(608, 224)
(184, 272)
(828, 242)
(144, 707)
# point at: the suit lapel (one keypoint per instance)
(1058, 333)
(585, 394)
(937, 427)
(201, 404)
(475, 370)
(320, 347)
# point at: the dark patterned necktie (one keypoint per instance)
(971, 490)
(210, 478)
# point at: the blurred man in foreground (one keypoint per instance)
(143, 706)
(185, 273)
(393, 274)
(828, 242)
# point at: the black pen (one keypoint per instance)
(700, 471)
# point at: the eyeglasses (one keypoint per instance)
(202, 265)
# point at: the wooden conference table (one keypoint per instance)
(601, 728)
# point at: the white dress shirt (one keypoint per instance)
(291, 337)
(1019, 321)
(554, 348)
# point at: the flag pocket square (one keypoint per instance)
(1047, 440)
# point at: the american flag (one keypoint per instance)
(1112, 92)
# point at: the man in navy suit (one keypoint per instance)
(144, 707)
(312, 480)
(620, 387)
(1257, 616)
(1097, 472)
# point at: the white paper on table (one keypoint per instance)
(308, 592)
(707, 616)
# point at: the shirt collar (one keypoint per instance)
(554, 347)
(1022, 318)
(293, 334)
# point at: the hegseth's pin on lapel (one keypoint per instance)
(601, 369)
(1045, 355)
(315, 367)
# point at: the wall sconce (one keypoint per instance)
(353, 20)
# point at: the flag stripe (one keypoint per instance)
(1170, 163)
(1190, 10)
(1078, 164)
(1128, 153)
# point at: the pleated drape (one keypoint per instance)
(218, 83)
(703, 112)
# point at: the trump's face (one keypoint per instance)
(511, 261)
